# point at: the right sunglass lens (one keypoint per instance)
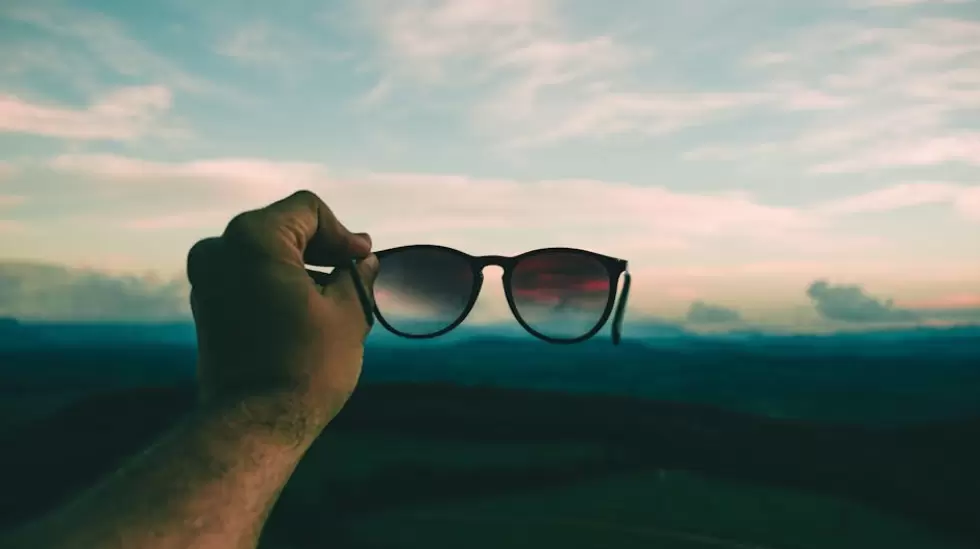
(423, 291)
(561, 295)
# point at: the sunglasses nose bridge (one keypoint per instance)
(494, 260)
(503, 262)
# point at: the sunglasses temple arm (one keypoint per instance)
(617, 326)
(362, 295)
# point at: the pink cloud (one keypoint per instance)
(951, 301)
(963, 148)
(123, 115)
(965, 199)
(609, 113)
(905, 3)
(8, 226)
(618, 218)
(246, 178)
(7, 200)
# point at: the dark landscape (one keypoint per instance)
(487, 440)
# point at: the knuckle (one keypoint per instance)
(304, 194)
(307, 197)
(243, 227)
(200, 258)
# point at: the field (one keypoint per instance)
(764, 443)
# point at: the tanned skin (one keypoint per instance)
(278, 357)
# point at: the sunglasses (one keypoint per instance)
(559, 295)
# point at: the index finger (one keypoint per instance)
(299, 228)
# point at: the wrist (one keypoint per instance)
(280, 417)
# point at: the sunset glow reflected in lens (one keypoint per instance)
(561, 295)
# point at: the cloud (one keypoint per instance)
(249, 177)
(6, 170)
(906, 3)
(378, 93)
(767, 58)
(537, 76)
(124, 115)
(849, 303)
(431, 33)
(101, 40)
(965, 199)
(704, 313)
(533, 76)
(948, 301)
(465, 209)
(663, 232)
(956, 308)
(7, 200)
(893, 96)
(930, 151)
(8, 226)
(609, 113)
(953, 316)
(31, 291)
(263, 44)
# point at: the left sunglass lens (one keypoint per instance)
(422, 291)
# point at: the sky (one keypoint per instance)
(794, 165)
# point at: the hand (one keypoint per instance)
(263, 327)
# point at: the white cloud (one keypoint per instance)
(664, 233)
(250, 179)
(104, 41)
(610, 113)
(377, 94)
(768, 58)
(7, 200)
(535, 78)
(617, 218)
(6, 170)
(965, 199)
(126, 114)
(263, 44)
(625, 219)
(658, 229)
(930, 151)
(894, 96)
(8, 226)
(431, 32)
(795, 98)
(906, 3)
(46, 292)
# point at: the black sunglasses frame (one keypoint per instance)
(615, 268)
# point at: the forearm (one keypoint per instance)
(208, 484)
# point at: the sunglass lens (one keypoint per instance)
(561, 295)
(422, 291)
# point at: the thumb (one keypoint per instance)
(342, 290)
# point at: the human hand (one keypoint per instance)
(263, 327)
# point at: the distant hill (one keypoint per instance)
(84, 334)
(14, 333)
(874, 377)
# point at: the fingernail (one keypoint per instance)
(363, 240)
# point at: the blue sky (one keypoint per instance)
(734, 152)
